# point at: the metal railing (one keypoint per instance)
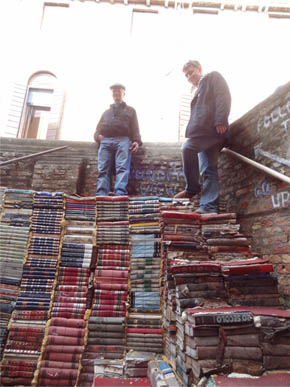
(259, 166)
(32, 155)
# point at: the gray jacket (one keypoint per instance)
(210, 106)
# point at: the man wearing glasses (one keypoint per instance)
(118, 135)
(206, 132)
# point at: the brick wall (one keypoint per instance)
(72, 170)
(156, 169)
(262, 202)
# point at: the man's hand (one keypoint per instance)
(134, 147)
(221, 129)
(100, 137)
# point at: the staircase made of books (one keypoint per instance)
(107, 321)
(14, 229)
(94, 290)
(222, 309)
(144, 331)
(64, 342)
(28, 321)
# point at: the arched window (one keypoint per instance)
(43, 107)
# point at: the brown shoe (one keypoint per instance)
(184, 195)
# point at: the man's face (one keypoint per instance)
(193, 74)
(118, 94)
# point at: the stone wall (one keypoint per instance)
(262, 202)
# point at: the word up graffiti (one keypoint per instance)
(281, 199)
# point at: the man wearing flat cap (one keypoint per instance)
(118, 135)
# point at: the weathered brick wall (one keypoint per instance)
(72, 170)
(156, 169)
(262, 202)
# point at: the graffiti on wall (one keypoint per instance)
(158, 175)
(159, 189)
(277, 114)
(159, 182)
(259, 151)
(279, 200)
(262, 189)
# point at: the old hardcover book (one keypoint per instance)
(208, 341)
(221, 318)
(200, 331)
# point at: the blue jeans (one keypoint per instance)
(113, 151)
(200, 158)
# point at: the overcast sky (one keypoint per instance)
(99, 44)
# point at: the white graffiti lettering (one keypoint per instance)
(258, 151)
(281, 199)
(274, 116)
(284, 125)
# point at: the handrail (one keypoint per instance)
(32, 155)
(262, 167)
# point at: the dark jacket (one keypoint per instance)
(119, 120)
(210, 107)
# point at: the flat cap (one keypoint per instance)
(117, 86)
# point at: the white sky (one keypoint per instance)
(98, 45)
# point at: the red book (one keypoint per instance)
(247, 269)
(180, 215)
